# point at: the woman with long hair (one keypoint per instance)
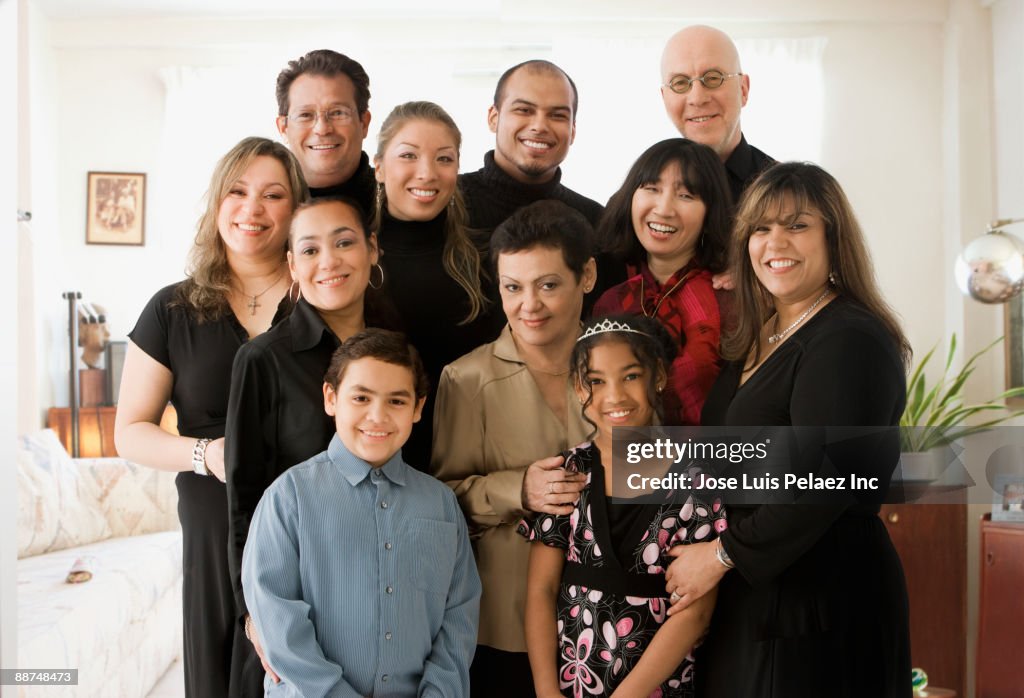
(432, 269)
(181, 351)
(810, 590)
(670, 222)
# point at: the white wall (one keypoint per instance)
(10, 43)
(98, 104)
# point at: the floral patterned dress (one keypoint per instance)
(609, 609)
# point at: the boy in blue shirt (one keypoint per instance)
(358, 571)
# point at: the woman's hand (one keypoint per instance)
(550, 489)
(694, 572)
(723, 282)
(214, 457)
(250, 632)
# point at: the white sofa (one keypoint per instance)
(121, 629)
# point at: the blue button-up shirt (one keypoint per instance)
(361, 581)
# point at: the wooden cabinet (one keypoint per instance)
(96, 429)
(1000, 673)
(931, 539)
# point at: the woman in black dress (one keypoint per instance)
(276, 416)
(433, 271)
(181, 351)
(812, 598)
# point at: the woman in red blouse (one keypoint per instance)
(670, 222)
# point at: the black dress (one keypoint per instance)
(275, 418)
(430, 306)
(818, 603)
(219, 660)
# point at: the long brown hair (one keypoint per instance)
(809, 187)
(205, 291)
(461, 257)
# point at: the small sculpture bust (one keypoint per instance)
(93, 334)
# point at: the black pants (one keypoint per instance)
(499, 674)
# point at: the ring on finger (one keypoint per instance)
(674, 597)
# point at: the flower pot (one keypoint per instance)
(924, 466)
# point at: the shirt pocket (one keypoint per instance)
(433, 547)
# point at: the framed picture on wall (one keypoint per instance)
(116, 208)
(1008, 502)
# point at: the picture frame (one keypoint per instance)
(116, 208)
(1013, 331)
(1008, 500)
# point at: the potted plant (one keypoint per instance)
(936, 415)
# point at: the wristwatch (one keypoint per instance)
(199, 457)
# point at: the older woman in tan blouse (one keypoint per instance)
(503, 409)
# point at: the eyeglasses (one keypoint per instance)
(336, 115)
(711, 80)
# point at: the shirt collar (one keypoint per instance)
(741, 162)
(307, 327)
(356, 470)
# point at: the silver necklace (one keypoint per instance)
(777, 337)
(252, 304)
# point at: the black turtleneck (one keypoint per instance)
(744, 164)
(360, 186)
(430, 305)
(492, 195)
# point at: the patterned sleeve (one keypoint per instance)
(550, 529)
(553, 530)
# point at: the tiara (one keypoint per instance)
(609, 326)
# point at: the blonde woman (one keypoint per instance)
(181, 351)
(432, 269)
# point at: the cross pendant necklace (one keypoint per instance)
(253, 304)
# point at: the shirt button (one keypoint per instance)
(387, 546)
(388, 589)
(383, 505)
(387, 636)
(384, 678)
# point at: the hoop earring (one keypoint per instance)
(370, 281)
(294, 292)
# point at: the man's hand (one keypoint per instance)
(550, 489)
(723, 282)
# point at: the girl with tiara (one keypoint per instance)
(596, 621)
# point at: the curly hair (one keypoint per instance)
(461, 257)
(205, 291)
(650, 343)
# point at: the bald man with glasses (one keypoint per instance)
(704, 89)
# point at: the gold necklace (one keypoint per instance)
(654, 313)
(252, 304)
(546, 373)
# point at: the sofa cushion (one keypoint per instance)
(63, 510)
(97, 624)
(134, 499)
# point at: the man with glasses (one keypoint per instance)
(323, 115)
(704, 90)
